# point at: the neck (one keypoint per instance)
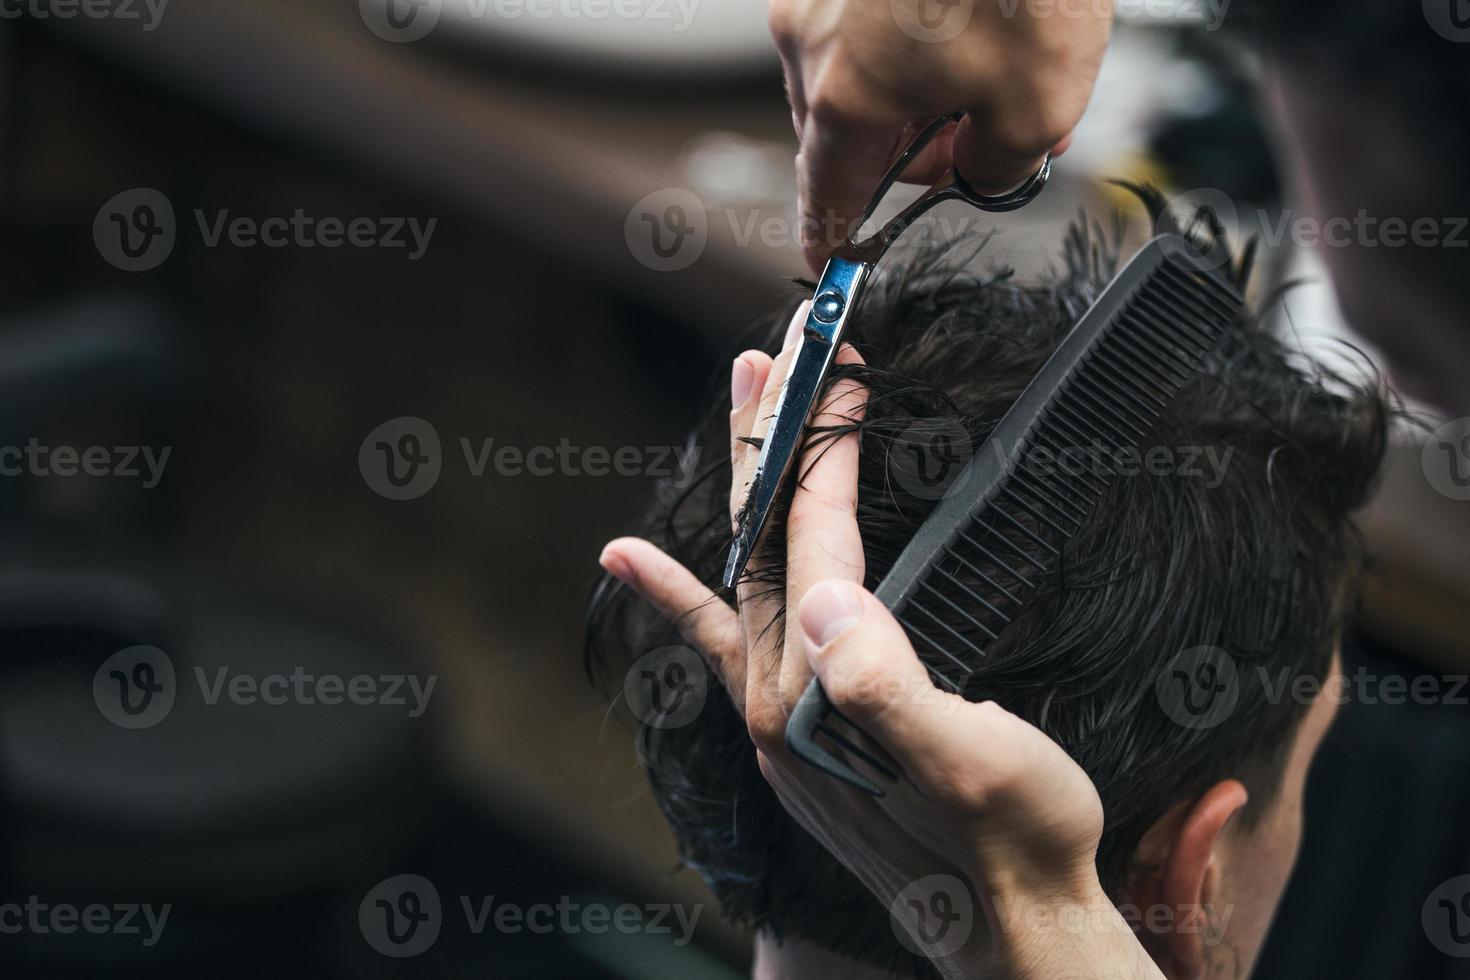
(794, 960)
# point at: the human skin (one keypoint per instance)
(859, 72)
(986, 794)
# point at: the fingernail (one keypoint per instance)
(828, 609)
(798, 324)
(615, 566)
(742, 376)
(792, 332)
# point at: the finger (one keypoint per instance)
(933, 161)
(822, 537)
(838, 169)
(747, 380)
(991, 164)
(755, 422)
(758, 603)
(702, 618)
(745, 416)
(871, 674)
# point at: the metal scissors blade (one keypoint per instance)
(837, 295)
(841, 282)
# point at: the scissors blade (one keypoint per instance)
(836, 295)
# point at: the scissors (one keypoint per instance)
(837, 294)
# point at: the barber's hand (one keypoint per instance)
(985, 795)
(858, 71)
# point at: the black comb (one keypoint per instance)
(1001, 526)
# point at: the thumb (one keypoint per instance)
(872, 675)
(972, 757)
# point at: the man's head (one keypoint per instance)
(1161, 652)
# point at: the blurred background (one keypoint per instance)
(336, 338)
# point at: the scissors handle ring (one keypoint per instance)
(1010, 200)
(949, 187)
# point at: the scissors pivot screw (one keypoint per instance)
(828, 306)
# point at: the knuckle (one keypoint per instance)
(766, 726)
(842, 93)
(831, 108)
(781, 19)
(815, 517)
(964, 792)
(1043, 123)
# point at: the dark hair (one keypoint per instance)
(1254, 565)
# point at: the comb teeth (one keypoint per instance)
(986, 548)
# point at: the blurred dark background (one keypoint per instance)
(543, 312)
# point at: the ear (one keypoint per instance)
(1180, 853)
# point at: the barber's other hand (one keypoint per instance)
(858, 72)
(985, 795)
(983, 790)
